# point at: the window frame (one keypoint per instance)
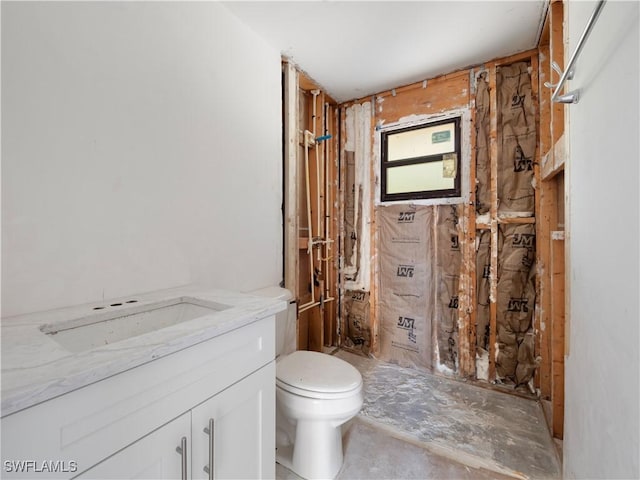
(454, 192)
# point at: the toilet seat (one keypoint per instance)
(317, 375)
(316, 395)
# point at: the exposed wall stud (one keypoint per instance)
(493, 156)
(290, 178)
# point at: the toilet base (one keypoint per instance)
(317, 452)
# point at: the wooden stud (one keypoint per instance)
(545, 220)
(322, 233)
(540, 340)
(335, 223)
(550, 255)
(291, 174)
(566, 206)
(303, 330)
(336, 202)
(544, 132)
(374, 277)
(328, 312)
(330, 232)
(467, 294)
(302, 291)
(316, 330)
(545, 35)
(340, 145)
(557, 55)
(558, 288)
(558, 252)
(493, 277)
(545, 200)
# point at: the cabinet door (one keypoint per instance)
(153, 456)
(242, 420)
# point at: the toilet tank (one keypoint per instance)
(286, 331)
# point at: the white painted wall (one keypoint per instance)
(141, 149)
(602, 369)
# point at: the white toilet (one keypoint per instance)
(316, 394)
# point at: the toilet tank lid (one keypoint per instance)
(317, 372)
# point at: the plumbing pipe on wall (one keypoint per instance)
(306, 136)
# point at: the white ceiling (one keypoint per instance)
(354, 49)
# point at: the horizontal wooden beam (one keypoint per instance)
(516, 220)
(516, 58)
(553, 162)
(421, 84)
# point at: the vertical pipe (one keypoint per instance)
(315, 94)
(327, 216)
(309, 222)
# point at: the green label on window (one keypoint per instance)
(441, 137)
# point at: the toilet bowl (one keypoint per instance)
(315, 395)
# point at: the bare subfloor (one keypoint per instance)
(417, 425)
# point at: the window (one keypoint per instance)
(421, 161)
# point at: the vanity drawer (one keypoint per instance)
(93, 422)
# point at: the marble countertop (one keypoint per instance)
(36, 368)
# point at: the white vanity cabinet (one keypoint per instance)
(130, 424)
(152, 457)
(243, 432)
(243, 435)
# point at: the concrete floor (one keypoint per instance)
(417, 425)
(372, 452)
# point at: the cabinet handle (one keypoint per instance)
(182, 450)
(210, 431)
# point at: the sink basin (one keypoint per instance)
(117, 324)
